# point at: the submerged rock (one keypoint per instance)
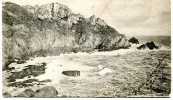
(71, 73)
(133, 40)
(26, 93)
(48, 91)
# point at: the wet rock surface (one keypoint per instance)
(7, 95)
(30, 70)
(29, 82)
(48, 91)
(26, 93)
(73, 73)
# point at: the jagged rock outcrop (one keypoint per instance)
(93, 20)
(52, 29)
(150, 45)
(133, 40)
(53, 10)
(30, 70)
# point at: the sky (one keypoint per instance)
(129, 17)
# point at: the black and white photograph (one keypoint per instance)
(86, 48)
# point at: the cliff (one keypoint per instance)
(52, 29)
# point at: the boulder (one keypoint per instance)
(73, 73)
(48, 91)
(7, 95)
(26, 93)
(133, 40)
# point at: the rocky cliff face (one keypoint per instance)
(93, 20)
(52, 29)
(53, 10)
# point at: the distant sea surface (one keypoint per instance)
(159, 40)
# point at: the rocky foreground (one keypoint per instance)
(106, 74)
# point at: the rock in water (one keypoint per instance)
(151, 45)
(48, 91)
(71, 73)
(133, 40)
(26, 93)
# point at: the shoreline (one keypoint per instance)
(121, 65)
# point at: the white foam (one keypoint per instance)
(55, 68)
(105, 71)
